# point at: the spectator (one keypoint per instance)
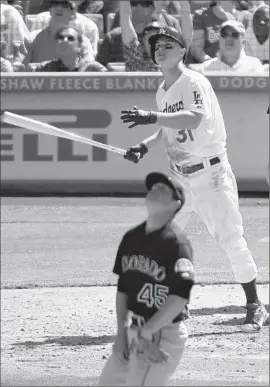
(159, 6)
(257, 34)
(206, 24)
(13, 30)
(91, 6)
(43, 47)
(68, 54)
(18, 4)
(231, 55)
(136, 47)
(77, 20)
(6, 66)
(112, 50)
(241, 5)
(36, 6)
(173, 7)
(241, 12)
(110, 6)
(196, 5)
(254, 5)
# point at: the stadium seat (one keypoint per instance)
(31, 67)
(110, 18)
(117, 67)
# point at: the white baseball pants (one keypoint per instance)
(212, 193)
(117, 372)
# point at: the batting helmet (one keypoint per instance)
(166, 31)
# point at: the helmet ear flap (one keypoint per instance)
(153, 52)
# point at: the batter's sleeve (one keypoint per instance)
(198, 97)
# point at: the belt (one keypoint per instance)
(135, 321)
(197, 167)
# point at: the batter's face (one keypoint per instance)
(230, 41)
(168, 52)
(160, 200)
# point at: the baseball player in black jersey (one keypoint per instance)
(154, 264)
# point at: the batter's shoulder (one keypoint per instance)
(196, 77)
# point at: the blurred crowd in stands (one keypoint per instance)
(112, 35)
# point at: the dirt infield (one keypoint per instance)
(60, 330)
(49, 242)
(62, 337)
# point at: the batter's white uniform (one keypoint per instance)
(198, 159)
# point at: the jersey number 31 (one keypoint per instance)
(153, 295)
(184, 135)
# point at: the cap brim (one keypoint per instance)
(236, 29)
(156, 177)
(153, 39)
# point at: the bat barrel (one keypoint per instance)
(20, 121)
(41, 127)
(14, 119)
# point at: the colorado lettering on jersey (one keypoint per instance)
(175, 107)
(144, 265)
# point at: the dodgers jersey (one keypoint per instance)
(192, 91)
(152, 266)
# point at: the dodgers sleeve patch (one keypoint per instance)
(183, 265)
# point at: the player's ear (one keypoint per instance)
(183, 51)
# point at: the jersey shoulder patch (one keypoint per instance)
(183, 264)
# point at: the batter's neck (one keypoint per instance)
(172, 75)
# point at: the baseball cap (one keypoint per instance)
(157, 177)
(170, 32)
(235, 25)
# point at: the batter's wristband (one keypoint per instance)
(152, 117)
(144, 149)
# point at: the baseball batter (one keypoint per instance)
(154, 264)
(194, 135)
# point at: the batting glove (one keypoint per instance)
(135, 153)
(138, 117)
